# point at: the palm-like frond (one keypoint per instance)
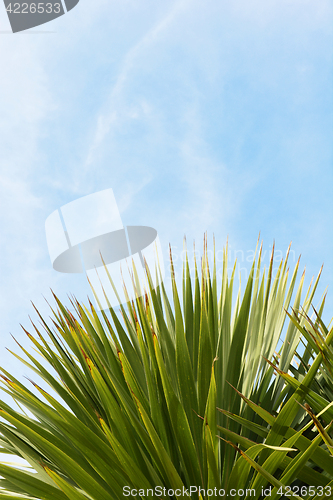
(137, 396)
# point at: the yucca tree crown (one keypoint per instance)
(175, 393)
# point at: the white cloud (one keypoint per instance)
(116, 108)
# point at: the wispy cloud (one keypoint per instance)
(116, 109)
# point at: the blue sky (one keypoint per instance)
(202, 116)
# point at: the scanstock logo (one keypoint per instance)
(24, 15)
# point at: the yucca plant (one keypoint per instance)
(174, 395)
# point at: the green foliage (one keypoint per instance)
(177, 393)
